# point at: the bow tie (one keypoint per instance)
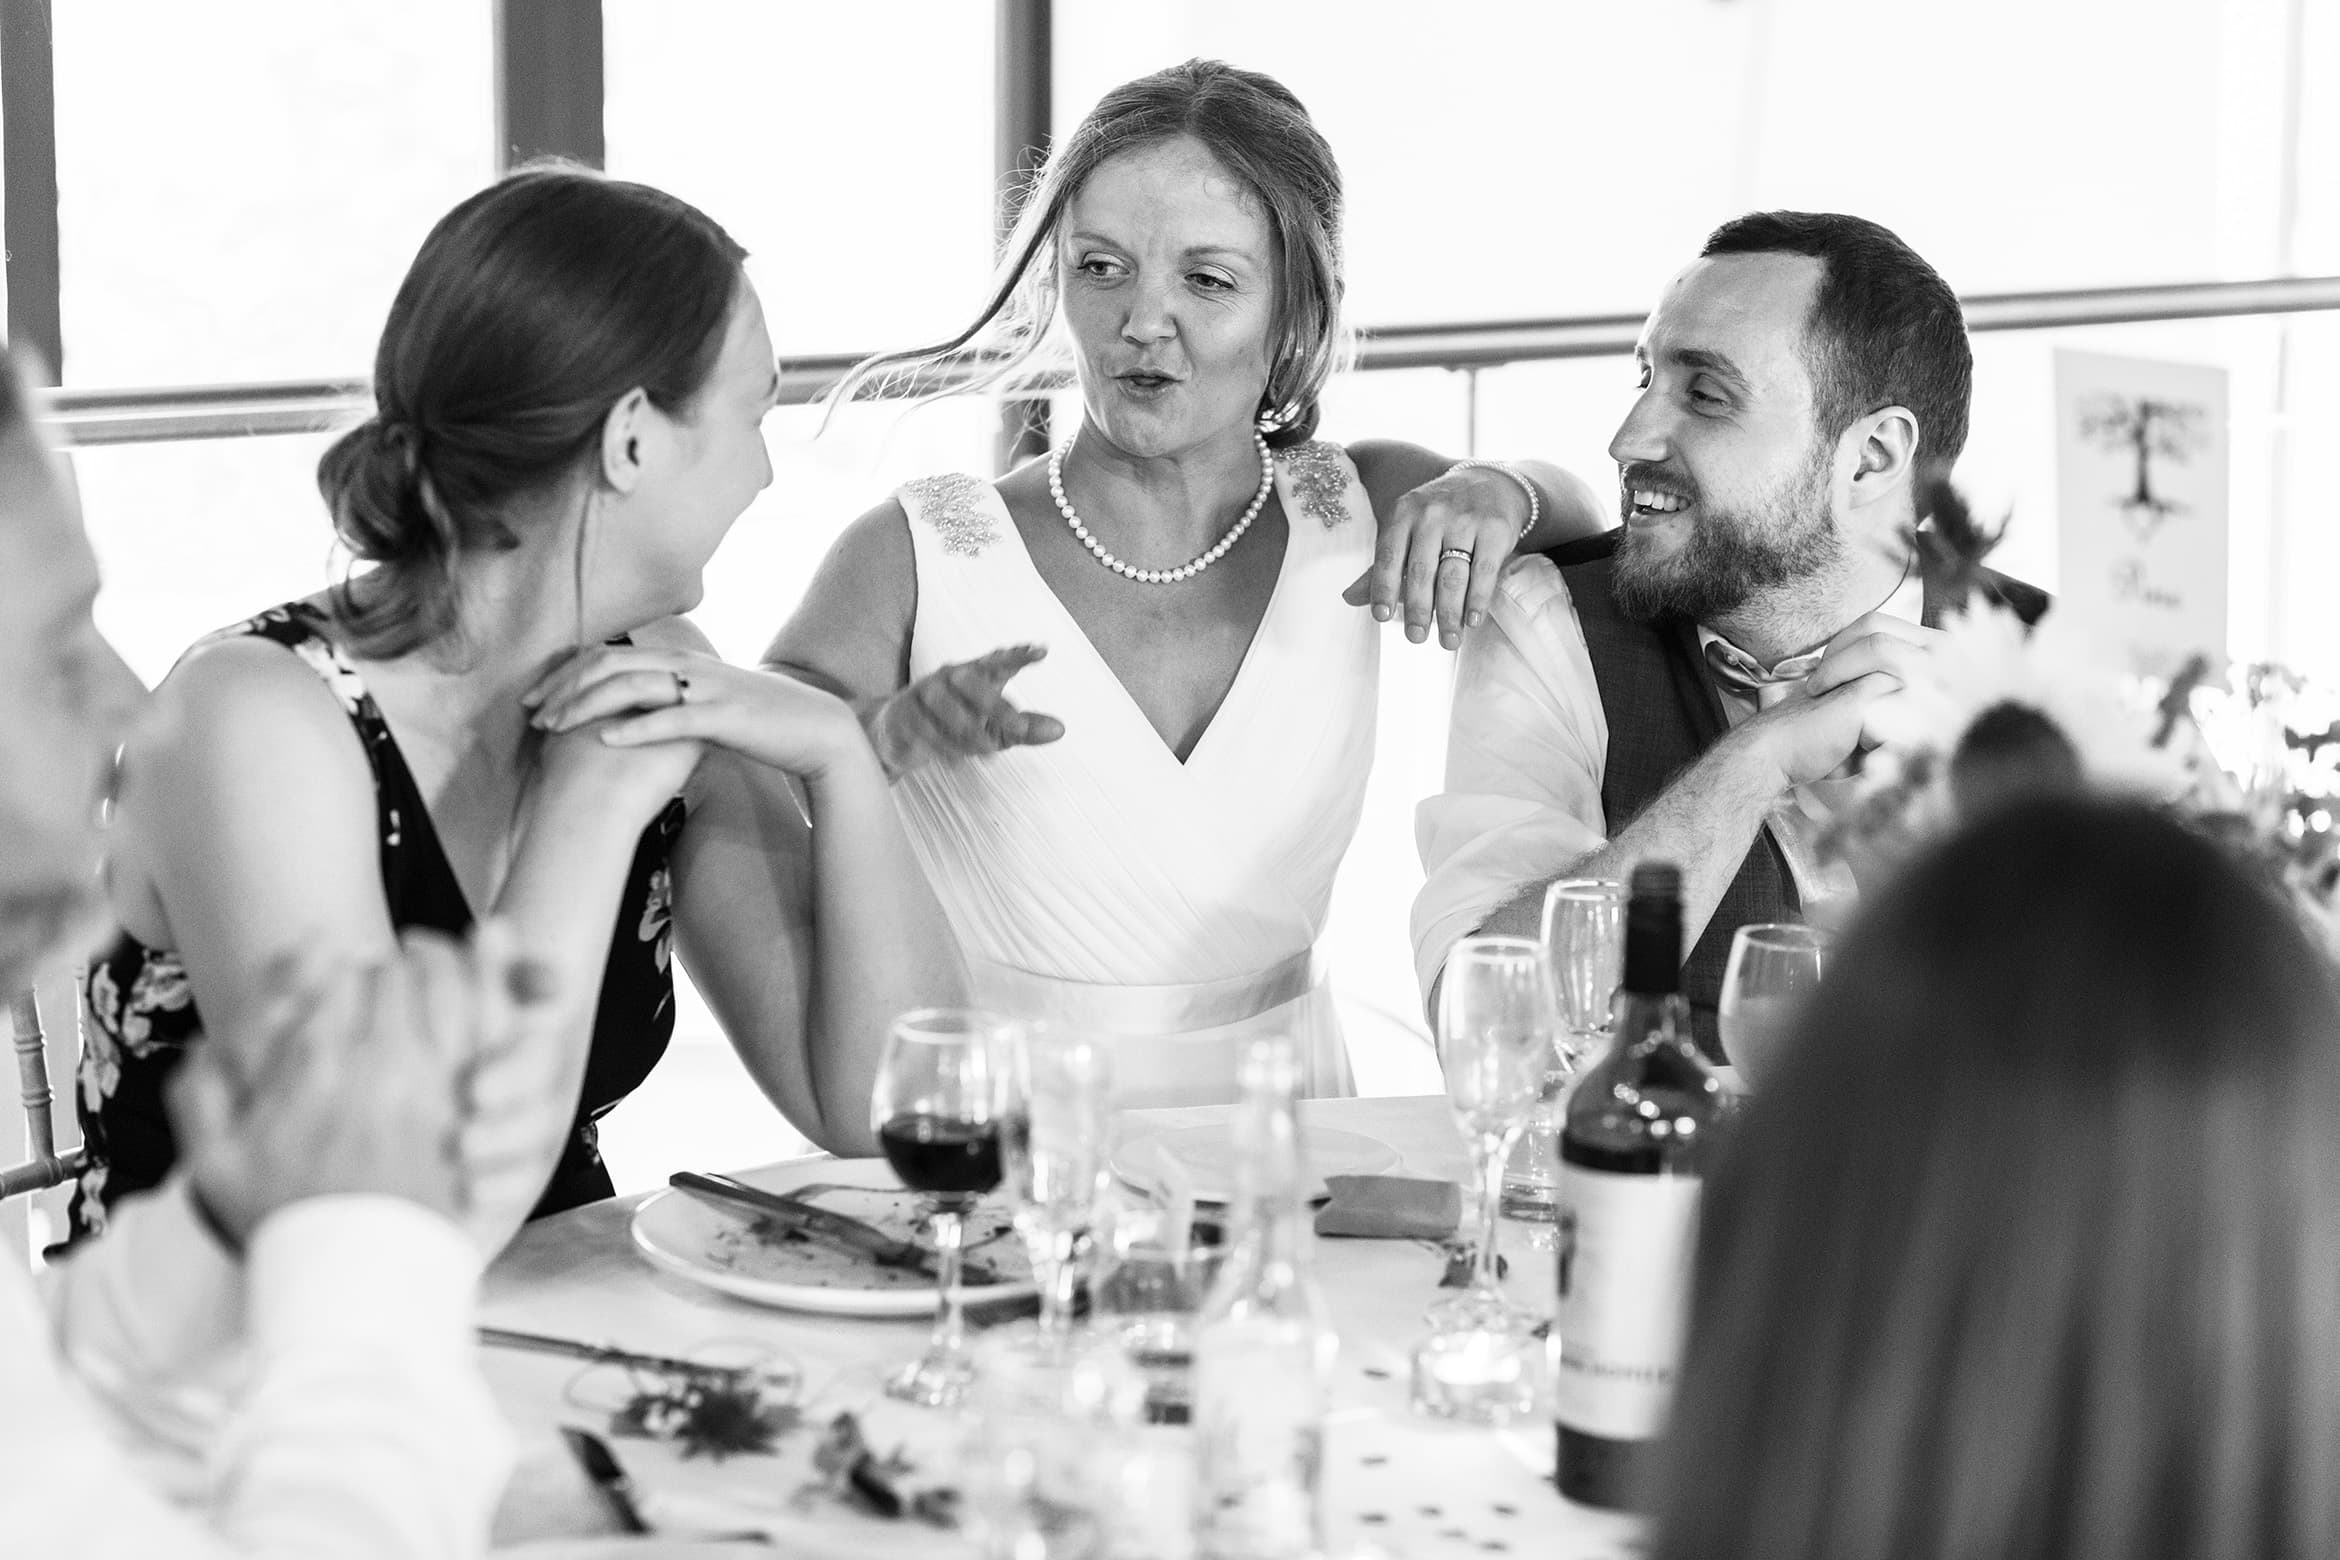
(1735, 671)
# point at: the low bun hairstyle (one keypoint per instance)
(532, 309)
(1262, 135)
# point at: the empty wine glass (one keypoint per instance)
(1496, 1019)
(1773, 967)
(1584, 938)
(940, 1095)
(1053, 1153)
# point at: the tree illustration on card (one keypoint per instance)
(2146, 429)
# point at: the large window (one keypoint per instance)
(1518, 160)
(240, 186)
(847, 146)
(242, 182)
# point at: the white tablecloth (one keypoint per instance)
(1397, 1486)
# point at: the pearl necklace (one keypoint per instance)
(1187, 570)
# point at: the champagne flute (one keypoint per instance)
(1773, 967)
(1584, 937)
(1053, 1152)
(1496, 1019)
(937, 1106)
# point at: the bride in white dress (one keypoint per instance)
(1180, 591)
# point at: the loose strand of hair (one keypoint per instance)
(892, 371)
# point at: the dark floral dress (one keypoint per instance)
(138, 1012)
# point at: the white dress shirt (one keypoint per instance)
(1526, 752)
(329, 1380)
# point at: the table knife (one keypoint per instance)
(826, 1225)
(599, 1353)
(601, 1466)
(611, 1354)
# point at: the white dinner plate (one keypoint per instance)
(725, 1251)
(1207, 1157)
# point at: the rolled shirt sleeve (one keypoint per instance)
(1526, 751)
(353, 1422)
(150, 1320)
(366, 1424)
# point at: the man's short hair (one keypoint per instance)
(1885, 329)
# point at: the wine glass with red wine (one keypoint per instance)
(940, 1096)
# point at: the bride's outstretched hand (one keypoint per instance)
(643, 695)
(1440, 549)
(959, 711)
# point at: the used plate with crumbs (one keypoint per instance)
(742, 1255)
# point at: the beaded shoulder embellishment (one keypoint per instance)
(953, 504)
(1321, 480)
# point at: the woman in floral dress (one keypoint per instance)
(569, 395)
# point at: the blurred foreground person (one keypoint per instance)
(310, 1271)
(2029, 1249)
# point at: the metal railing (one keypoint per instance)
(157, 415)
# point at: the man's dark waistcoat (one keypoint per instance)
(1663, 712)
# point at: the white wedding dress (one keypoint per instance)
(1098, 883)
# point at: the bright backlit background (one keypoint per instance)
(243, 182)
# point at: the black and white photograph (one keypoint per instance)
(1170, 779)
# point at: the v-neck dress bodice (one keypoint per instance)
(138, 1009)
(1097, 881)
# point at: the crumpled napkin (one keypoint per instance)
(1390, 1207)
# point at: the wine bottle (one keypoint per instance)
(1638, 1131)
(1264, 1346)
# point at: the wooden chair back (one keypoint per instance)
(44, 1166)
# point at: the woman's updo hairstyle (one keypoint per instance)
(532, 309)
(1262, 135)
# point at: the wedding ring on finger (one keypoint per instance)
(682, 688)
(1458, 554)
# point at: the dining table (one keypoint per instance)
(1397, 1485)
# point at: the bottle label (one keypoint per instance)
(1626, 1245)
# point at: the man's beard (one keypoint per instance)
(43, 926)
(1729, 555)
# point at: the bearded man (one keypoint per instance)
(1684, 688)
